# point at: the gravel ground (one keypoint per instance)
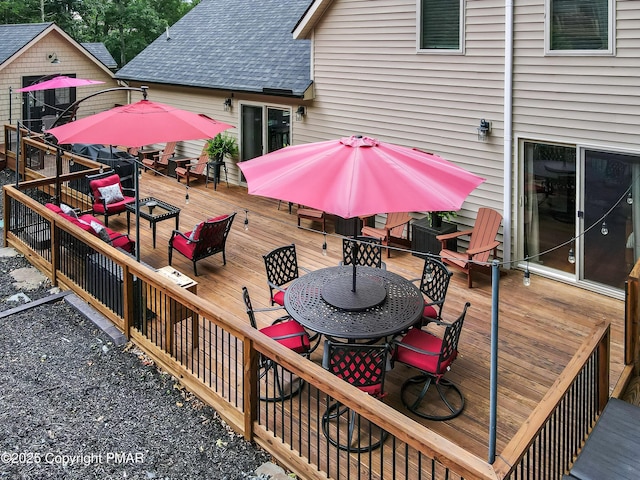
(75, 406)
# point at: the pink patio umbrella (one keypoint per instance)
(60, 81)
(138, 124)
(359, 176)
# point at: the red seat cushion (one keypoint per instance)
(183, 245)
(297, 343)
(115, 207)
(429, 312)
(424, 341)
(279, 298)
(53, 207)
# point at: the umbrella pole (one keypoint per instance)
(136, 185)
(354, 259)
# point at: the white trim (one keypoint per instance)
(441, 51)
(611, 47)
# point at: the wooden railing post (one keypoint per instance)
(129, 300)
(604, 350)
(250, 386)
(5, 216)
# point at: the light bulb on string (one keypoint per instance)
(526, 280)
(572, 256)
(428, 273)
(246, 220)
(324, 245)
(186, 197)
(604, 230)
(630, 199)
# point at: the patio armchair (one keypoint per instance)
(434, 284)
(206, 239)
(108, 196)
(368, 251)
(363, 366)
(281, 265)
(394, 229)
(311, 214)
(160, 161)
(482, 242)
(288, 333)
(433, 356)
(194, 171)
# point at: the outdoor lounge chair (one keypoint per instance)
(160, 161)
(482, 242)
(311, 214)
(394, 230)
(206, 239)
(108, 195)
(194, 171)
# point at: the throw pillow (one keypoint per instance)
(195, 232)
(66, 209)
(104, 236)
(97, 227)
(111, 194)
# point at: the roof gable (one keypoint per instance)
(230, 45)
(99, 50)
(14, 37)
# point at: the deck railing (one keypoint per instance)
(218, 359)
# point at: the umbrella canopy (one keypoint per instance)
(59, 82)
(359, 176)
(141, 123)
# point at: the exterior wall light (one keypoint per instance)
(227, 105)
(300, 113)
(53, 57)
(484, 130)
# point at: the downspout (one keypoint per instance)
(508, 131)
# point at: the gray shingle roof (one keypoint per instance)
(241, 45)
(14, 37)
(99, 51)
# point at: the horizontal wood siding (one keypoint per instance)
(370, 80)
(586, 99)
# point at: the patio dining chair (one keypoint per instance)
(434, 284)
(288, 333)
(364, 367)
(433, 356)
(282, 268)
(368, 251)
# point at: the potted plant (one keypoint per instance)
(221, 146)
(435, 218)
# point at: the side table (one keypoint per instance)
(423, 238)
(174, 312)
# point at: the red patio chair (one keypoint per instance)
(108, 195)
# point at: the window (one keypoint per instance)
(441, 25)
(580, 25)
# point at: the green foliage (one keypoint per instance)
(222, 146)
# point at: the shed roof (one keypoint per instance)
(230, 45)
(99, 50)
(14, 37)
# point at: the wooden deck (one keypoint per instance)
(541, 326)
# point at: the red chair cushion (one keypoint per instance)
(183, 245)
(115, 207)
(424, 341)
(103, 182)
(429, 312)
(53, 207)
(299, 344)
(279, 298)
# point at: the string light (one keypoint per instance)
(246, 220)
(428, 273)
(572, 256)
(526, 280)
(324, 245)
(630, 199)
(101, 168)
(186, 197)
(604, 230)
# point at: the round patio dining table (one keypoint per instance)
(384, 303)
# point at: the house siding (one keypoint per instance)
(33, 61)
(371, 80)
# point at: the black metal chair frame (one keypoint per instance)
(361, 365)
(266, 364)
(282, 267)
(125, 191)
(434, 284)
(446, 355)
(368, 252)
